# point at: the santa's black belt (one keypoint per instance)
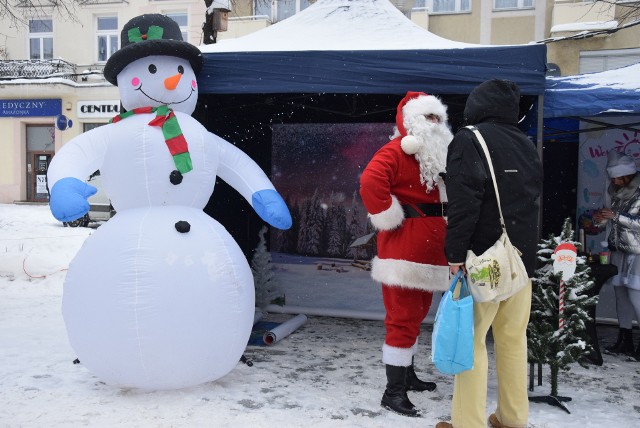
(425, 210)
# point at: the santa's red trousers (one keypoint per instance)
(406, 309)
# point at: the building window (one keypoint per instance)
(41, 38)
(595, 61)
(445, 6)
(278, 10)
(183, 21)
(512, 4)
(89, 126)
(107, 36)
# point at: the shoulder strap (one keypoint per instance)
(483, 144)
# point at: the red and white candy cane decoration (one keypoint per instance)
(564, 261)
(561, 306)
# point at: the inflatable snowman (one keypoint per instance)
(161, 296)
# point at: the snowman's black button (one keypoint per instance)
(183, 226)
(175, 177)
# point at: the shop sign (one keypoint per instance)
(98, 109)
(27, 108)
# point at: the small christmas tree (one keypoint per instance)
(549, 344)
(263, 276)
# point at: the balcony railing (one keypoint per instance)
(37, 69)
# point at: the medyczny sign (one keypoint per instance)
(30, 107)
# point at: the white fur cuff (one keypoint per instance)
(400, 357)
(403, 273)
(390, 218)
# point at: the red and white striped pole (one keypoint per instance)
(561, 306)
(564, 261)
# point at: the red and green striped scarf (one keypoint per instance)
(167, 120)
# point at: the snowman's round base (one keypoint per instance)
(148, 307)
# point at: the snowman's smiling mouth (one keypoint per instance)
(163, 102)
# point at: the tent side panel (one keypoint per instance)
(450, 71)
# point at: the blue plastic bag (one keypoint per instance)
(452, 338)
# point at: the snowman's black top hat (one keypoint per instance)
(146, 35)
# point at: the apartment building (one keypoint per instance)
(52, 88)
(588, 36)
(582, 36)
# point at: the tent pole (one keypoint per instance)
(539, 144)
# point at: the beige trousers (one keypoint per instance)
(508, 321)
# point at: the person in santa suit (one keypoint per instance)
(404, 195)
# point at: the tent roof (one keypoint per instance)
(345, 25)
(361, 46)
(604, 93)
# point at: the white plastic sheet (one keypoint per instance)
(283, 330)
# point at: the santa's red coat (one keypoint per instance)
(410, 250)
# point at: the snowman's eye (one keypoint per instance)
(152, 69)
(180, 69)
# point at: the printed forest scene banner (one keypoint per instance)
(592, 174)
(323, 260)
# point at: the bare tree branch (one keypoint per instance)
(624, 10)
(627, 14)
(589, 34)
(18, 12)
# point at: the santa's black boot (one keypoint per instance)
(414, 384)
(624, 343)
(395, 396)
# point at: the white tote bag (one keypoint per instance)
(498, 273)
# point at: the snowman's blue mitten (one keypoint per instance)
(68, 199)
(270, 206)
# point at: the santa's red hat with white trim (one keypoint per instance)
(417, 104)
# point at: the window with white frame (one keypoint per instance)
(445, 6)
(107, 34)
(278, 10)
(512, 4)
(594, 61)
(183, 21)
(41, 38)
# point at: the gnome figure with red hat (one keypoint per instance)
(404, 194)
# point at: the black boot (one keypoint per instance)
(624, 343)
(414, 384)
(395, 396)
(636, 354)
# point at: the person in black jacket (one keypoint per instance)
(474, 224)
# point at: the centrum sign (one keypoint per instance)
(103, 108)
(25, 108)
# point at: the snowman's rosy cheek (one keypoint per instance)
(135, 82)
(193, 84)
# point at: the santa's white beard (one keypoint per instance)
(434, 139)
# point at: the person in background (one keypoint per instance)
(474, 224)
(622, 221)
(405, 199)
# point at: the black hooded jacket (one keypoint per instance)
(473, 218)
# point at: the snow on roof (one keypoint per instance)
(340, 25)
(627, 78)
(585, 26)
(606, 92)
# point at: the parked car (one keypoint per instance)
(100, 205)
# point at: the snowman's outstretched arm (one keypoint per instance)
(243, 174)
(68, 192)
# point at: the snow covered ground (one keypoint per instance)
(326, 374)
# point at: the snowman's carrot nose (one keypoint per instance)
(171, 82)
